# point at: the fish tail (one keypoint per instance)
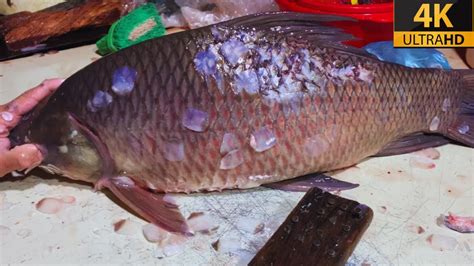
(462, 129)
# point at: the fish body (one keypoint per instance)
(239, 104)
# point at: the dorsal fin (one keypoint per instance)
(312, 27)
(318, 29)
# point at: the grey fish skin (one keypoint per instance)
(243, 103)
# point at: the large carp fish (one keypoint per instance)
(252, 101)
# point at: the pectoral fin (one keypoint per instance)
(150, 206)
(304, 183)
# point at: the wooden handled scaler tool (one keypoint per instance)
(323, 229)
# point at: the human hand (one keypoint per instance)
(27, 155)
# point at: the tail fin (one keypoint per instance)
(462, 129)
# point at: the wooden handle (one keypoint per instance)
(323, 229)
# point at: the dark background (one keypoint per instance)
(460, 15)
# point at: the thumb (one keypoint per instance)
(19, 158)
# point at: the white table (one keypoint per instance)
(404, 199)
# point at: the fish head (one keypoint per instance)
(67, 148)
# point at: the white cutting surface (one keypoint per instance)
(403, 197)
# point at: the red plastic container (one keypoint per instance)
(375, 21)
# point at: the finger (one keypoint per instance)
(4, 145)
(3, 131)
(19, 158)
(11, 113)
(29, 99)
